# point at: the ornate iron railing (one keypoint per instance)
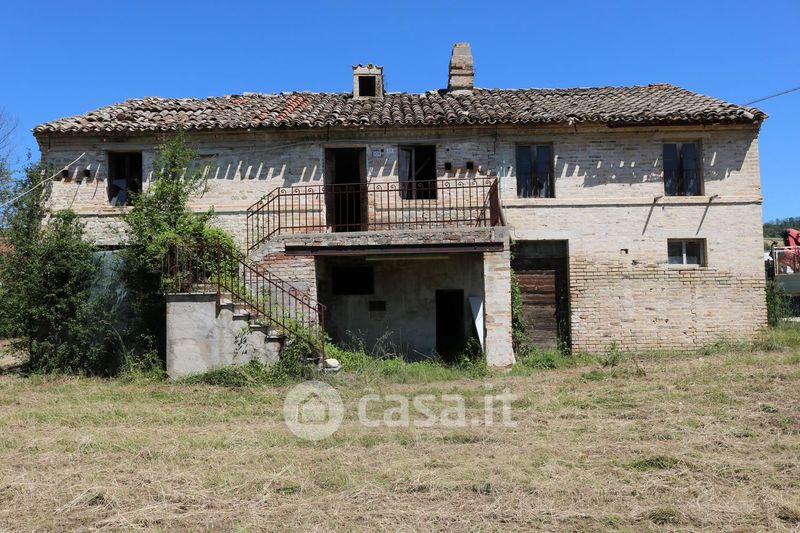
(220, 268)
(376, 206)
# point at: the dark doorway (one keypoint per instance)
(542, 275)
(449, 323)
(346, 190)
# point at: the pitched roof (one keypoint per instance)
(642, 104)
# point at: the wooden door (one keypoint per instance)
(544, 289)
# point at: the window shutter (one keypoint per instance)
(404, 164)
(691, 178)
(670, 161)
(544, 166)
(524, 172)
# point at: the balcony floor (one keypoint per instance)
(483, 239)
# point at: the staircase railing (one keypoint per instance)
(375, 206)
(220, 268)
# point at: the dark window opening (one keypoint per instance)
(352, 281)
(418, 172)
(448, 166)
(470, 165)
(686, 252)
(124, 177)
(535, 171)
(681, 169)
(367, 86)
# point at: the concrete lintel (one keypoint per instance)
(483, 239)
(399, 249)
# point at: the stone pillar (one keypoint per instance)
(497, 308)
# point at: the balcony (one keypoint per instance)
(376, 206)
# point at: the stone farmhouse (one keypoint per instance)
(630, 215)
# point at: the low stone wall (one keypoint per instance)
(201, 338)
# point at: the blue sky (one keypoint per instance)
(64, 58)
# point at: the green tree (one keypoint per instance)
(47, 279)
(159, 220)
(62, 325)
(21, 227)
(775, 228)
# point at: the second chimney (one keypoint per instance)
(462, 69)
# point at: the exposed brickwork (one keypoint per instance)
(657, 306)
(298, 270)
(497, 308)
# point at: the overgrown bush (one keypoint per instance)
(778, 306)
(22, 222)
(519, 336)
(159, 221)
(47, 283)
(46, 276)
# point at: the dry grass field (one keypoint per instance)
(688, 442)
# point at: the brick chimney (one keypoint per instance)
(462, 69)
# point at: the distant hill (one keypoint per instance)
(774, 228)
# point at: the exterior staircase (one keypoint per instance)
(266, 299)
(252, 292)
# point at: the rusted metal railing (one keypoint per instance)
(376, 206)
(220, 268)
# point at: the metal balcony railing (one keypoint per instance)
(377, 206)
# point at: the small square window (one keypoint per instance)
(686, 252)
(470, 165)
(448, 166)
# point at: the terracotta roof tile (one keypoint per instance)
(644, 104)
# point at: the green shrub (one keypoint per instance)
(160, 221)
(778, 306)
(612, 357)
(253, 374)
(542, 359)
(49, 283)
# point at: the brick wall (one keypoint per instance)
(656, 306)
